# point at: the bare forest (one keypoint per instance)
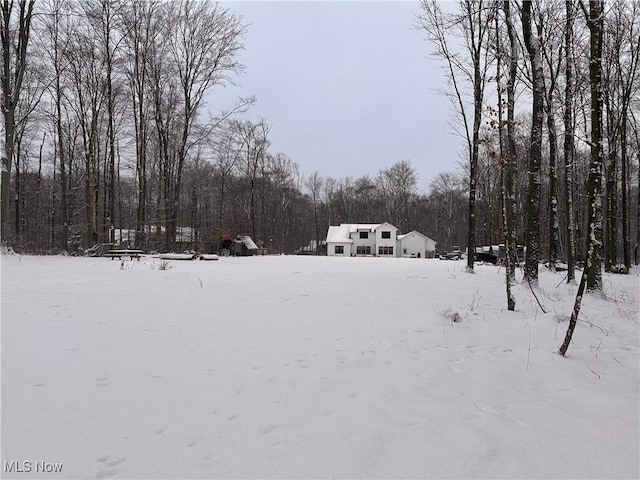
(109, 136)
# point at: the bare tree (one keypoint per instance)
(592, 275)
(636, 136)
(228, 152)
(314, 185)
(620, 84)
(284, 184)
(107, 17)
(15, 39)
(54, 44)
(86, 65)
(472, 25)
(141, 23)
(398, 185)
(25, 126)
(204, 47)
(532, 43)
(595, 22)
(255, 143)
(507, 154)
(446, 215)
(569, 143)
(553, 56)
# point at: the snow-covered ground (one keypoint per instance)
(312, 367)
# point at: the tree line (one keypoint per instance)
(548, 91)
(108, 137)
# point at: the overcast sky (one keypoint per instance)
(347, 87)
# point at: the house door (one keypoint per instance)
(418, 254)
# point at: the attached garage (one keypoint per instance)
(416, 245)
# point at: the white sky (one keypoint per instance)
(347, 87)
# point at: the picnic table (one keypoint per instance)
(126, 252)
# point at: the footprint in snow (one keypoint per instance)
(193, 443)
(266, 430)
(109, 462)
(107, 473)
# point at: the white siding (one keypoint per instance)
(431, 248)
(386, 243)
(370, 241)
(414, 244)
(331, 249)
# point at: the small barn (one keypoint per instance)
(243, 246)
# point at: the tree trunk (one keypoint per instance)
(11, 88)
(110, 193)
(17, 184)
(532, 43)
(611, 250)
(626, 251)
(594, 183)
(574, 315)
(507, 155)
(473, 167)
(554, 227)
(636, 250)
(568, 148)
(512, 161)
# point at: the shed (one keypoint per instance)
(244, 246)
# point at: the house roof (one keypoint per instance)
(247, 240)
(400, 237)
(355, 227)
(339, 234)
(385, 223)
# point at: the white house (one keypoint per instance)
(379, 240)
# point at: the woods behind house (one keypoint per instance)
(109, 136)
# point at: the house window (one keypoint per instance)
(339, 250)
(404, 251)
(385, 250)
(364, 234)
(363, 250)
(386, 234)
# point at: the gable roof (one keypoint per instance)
(247, 240)
(385, 224)
(400, 237)
(355, 227)
(339, 234)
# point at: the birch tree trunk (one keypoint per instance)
(568, 147)
(595, 21)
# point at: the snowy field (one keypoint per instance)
(312, 367)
